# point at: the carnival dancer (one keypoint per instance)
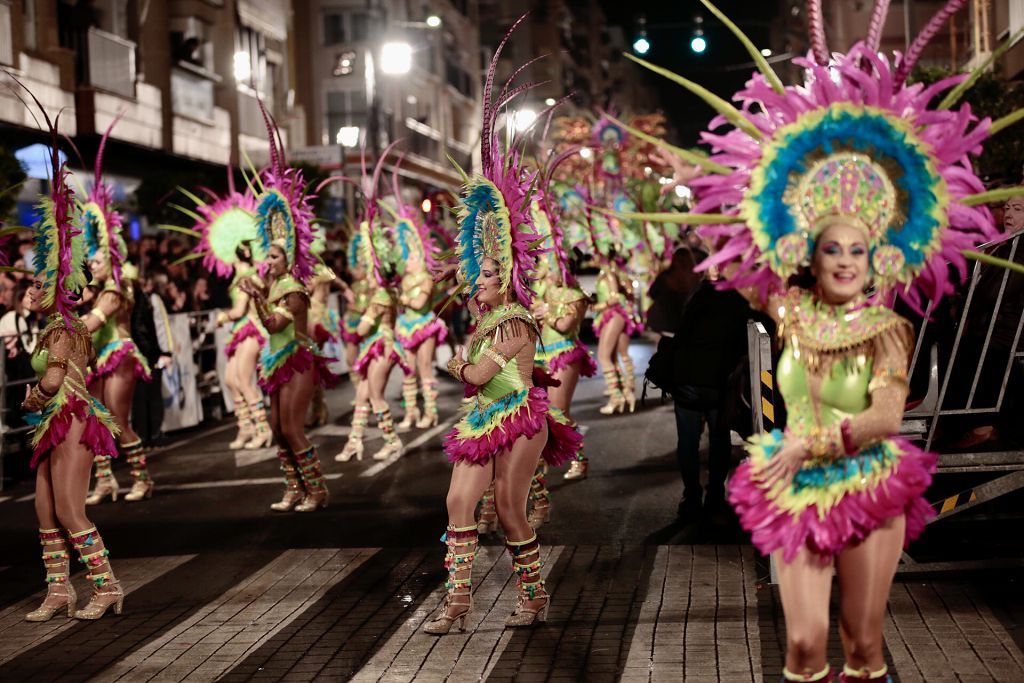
(225, 228)
(118, 364)
(71, 427)
(858, 183)
(324, 322)
(419, 331)
(357, 299)
(291, 365)
(506, 425)
(614, 323)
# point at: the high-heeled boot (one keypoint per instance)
(106, 484)
(429, 418)
(312, 476)
(851, 675)
(263, 436)
(487, 522)
(106, 591)
(246, 428)
(540, 496)
(526, 565)
(60, 593)
(628, 383)
(354, 445)
(143, 486)
(392, 444)
(412, 411)
(462, 544)
(293, 490)
(578, 467)
(616, 402)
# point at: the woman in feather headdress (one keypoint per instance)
(119, 364)
(862, 183)
(225, 228)
(506, 425)
(419, 331)
(324, 322)
(71, 427)
(357, 299)
(291, 366)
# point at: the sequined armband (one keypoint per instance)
(497, 357)
(57, 361)
(888, 377)
(456, 366)
(99, 315)
(283, 312)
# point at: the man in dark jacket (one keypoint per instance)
(707, 350)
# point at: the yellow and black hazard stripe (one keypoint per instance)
(767, 400)
(953, 502)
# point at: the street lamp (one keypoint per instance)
(348, 136)
(242, 67)
(396, 58)
(550, 102)
(523, 119)
(697, 43)
(641, 45)
(586, 153)
(766, 52)
(434, 21)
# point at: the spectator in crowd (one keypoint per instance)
(670, 289)
(19, 329)
(148, 402)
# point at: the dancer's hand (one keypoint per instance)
(783, 466)
(460, 352)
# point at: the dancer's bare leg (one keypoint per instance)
(561, 396)
(805, 585)
(865, 574)
(294, 399)
(247, 355)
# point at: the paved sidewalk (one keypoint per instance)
(620, 613)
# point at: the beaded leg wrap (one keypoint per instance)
(851, 675)
(540, 496)
(60, 594)
(136, 458)
(461, 544)
(823, 676)
(392, 444)
(92, 552)
(312, 476)
(628, 376)
(488, 520)
(526, 565)
(412, 411)
(429, 403)
(612, 383)
(354, 446)
(104, 468)
(293, 489)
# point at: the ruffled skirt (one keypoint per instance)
(294, 358)
(54, 422)
(830, 506)
(565, 353)
(377, 345)
(242, 330)
(349, 325)
(412, 329)
(485, 430)
(110, 357)
(617, 310)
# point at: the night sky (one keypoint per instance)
(670, 26)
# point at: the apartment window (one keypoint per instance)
(1016, 16)
(250, 59)
(28, 14)
(360, 26)
(334, 29)
(344, 108)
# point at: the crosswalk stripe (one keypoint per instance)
(18, 635)
(223, 633)
(374, 470)
(411, 650)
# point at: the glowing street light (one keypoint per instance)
(550, 102)
(348, 136)
(586, 153)
(242, 67)
(427, 205)
(434, 21)
(698, 44)
(396, 58)
(641, 45)
(766, 52)
(523, 119)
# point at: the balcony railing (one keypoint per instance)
(111, 63)
(192, 95)
(6, 37)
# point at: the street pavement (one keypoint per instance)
(221, 588)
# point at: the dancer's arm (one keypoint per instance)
(888, 389)
(60, 349)
(107, 306)
(374, 313)
(568, 322)
(512, 336)
(238, 310)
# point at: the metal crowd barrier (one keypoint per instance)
(6, 431)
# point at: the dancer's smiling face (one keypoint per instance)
(488, 284)
(100, 268)
(35, 295)
(840, 263)
(277, 261)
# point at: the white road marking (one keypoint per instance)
(219, 483)
(245, 458)
(377, 468)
